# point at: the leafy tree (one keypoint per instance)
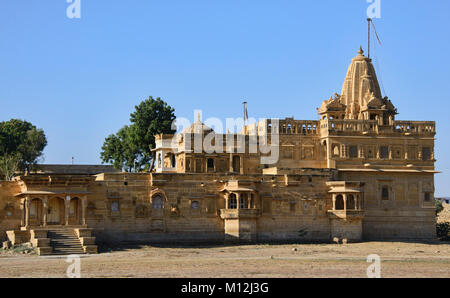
(131, 148)
(121, 151)
(439, 207)
(152, 117)
(9, 165)
(21, 139)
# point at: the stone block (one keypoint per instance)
(38, 234)
(44, 251)
(83, 232)
(40, 242)
(85, 241)
(90, 249)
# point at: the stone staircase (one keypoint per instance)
(65, 242)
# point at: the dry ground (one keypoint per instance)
(327, 260)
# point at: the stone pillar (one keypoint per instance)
(334, 202)
(83, 210)
(329, 153)
(345, 201)
(356, 201)
(44, 211)
(227, 197)
(231, 163)
(22, 206)
(27, 212)
(362, 153)
(238, 197)
(67, 207)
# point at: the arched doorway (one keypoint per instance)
(157, 206)
(158, 220)
(339, 204)
(74, 214)
(36, 208)
(56, 211)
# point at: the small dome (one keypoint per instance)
(198, 127)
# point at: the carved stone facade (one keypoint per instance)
(356, 173)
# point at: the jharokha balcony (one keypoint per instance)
(347, 198)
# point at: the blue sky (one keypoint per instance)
(79, 79)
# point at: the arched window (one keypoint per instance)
(210, 163)
(243, 202)
(385, 193)
(173, 161)
(350, 202)
(195, 205)
(339, 202)
(157, 202)
(232, 201)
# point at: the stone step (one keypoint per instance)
(65, 242)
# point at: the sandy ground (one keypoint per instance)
(258, 261)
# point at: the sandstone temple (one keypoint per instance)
(356, 173)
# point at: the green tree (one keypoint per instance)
(152, 117)
(22, 140)
(439, 207)
(131, 147)
(9, 165)
(121, 151)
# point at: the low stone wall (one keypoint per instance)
(10, 212)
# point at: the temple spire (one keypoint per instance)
(361, 52)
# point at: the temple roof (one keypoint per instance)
(198, 127)
(361, 90)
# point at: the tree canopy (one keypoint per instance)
(131, 147)
(21, 146)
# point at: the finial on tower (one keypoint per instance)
(198, 116)
(360, 50)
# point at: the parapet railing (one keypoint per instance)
(418, 127)
(305, 127)
(372, 126)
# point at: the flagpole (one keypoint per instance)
(368, 37)
(245, 115)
